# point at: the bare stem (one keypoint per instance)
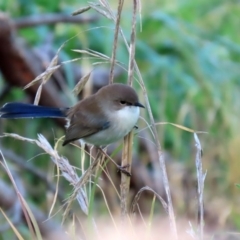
(132, 45)
(160, 155)
(125, 180)
(120, 6)
(155, 135)
(128, 140)
(200, 179)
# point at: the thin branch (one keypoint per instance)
(128, 140)
(120, 6)
(132, 45)
(159, 149)
(125, 180)
(200, 179)
(138, 195)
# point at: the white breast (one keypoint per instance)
(121, 123)
(126, 118)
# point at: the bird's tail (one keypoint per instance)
(23, 110)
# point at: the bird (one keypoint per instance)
(100, 119)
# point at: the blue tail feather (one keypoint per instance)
(23, 110)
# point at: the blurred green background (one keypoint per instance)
(188, 53)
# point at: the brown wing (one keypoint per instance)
(85, 120)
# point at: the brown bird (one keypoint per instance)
(100, 119)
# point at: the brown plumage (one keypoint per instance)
(89, 115)
(101, 119)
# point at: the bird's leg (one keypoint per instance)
(120, 168)
(123, 169)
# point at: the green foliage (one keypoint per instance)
(189, 60)
(189, 55)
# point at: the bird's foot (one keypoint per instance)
(123, 170)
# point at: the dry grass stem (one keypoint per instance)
(154, 130)
(132, 45)
(138, 195)
(67, 171)
(80, 11)
(172, 219)
(191, 231)
(31, 222)
(114, 50)
(38, 94)
(46, 75)
(97, 8)
(200, 187)
(80, 85)
(125, 180)
(81, 182)
(92, 53)
(160, 156)
(128, 140)
(43, 76)
(11, 224)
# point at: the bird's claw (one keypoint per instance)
(123, 170)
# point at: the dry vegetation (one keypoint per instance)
(164, 198)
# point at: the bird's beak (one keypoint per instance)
(137, 104)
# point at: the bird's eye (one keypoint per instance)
(123, 102)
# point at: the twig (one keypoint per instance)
(128, 140)
(120, 6)
(125, 180)
(155, 134)
(159, 149)
(200, 179)
(138, 195)
(132, 45)
(83, 180)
